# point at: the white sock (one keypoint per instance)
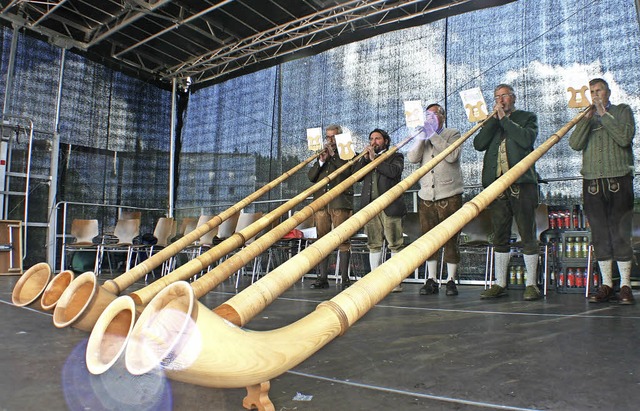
(531, 264)
(605, 271)
(501, 266)
(451, 271)
(374, 259)
(432, 268)
(625, 273)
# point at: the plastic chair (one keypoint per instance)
(164, 230)
(204, 242)
(130, 215)
(244, 221)
(187, 225)
(197, 247)
(83, 233)
(124, 233)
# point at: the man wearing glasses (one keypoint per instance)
(507, 138)
(337, 211)
(605, 137)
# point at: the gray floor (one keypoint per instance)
(410, 352)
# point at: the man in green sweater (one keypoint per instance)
(605, 137)
(507, 138)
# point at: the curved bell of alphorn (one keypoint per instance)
(110, 334)
(197, 346)
(55, 288)
(81, 302)
(31, 285)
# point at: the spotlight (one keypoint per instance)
(184, 83)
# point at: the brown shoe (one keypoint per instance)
(626, 296)
(603, 295)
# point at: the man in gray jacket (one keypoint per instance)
(440, 193)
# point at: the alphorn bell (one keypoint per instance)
(107, 339)
(31, 285)
(197, 346)
(78, 300)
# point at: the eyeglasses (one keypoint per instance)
(501, 96)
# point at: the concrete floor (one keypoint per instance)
(410, 352)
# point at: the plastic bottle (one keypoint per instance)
(585, 247)
(568, 247)
(571, 278)
(579, 278)
(519, 274)
(567, 218)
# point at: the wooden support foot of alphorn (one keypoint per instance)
(258, 397)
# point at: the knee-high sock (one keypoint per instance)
(374, 259)
(432, 269)
(501, 265)
(625, 273)
(451, 271)
(605, 271)
(531, 264)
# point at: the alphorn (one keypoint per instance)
(195, 345)
(110, 331)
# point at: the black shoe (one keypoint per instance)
(430, 287)
(451, 288)
(320, 284)
(603, 295)
(626, 296)
(346, 284)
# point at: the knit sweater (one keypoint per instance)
(606, 143)
(445, 179)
